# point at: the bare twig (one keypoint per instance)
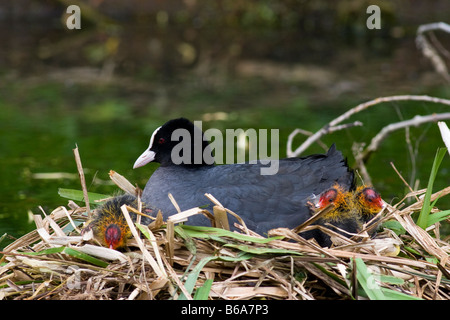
(363, 173)
(403, 179)
(362, 155)
(434, 26)
(304, 132)
(363, 106)
(429, 51)
(416, 121)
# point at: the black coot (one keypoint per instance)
(263, 201)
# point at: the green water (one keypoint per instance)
(42, 123)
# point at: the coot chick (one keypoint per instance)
(351, 209)
(264, 202)
(109, 225)
(368, 202)
(342, 215)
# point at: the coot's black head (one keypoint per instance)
(177, 142)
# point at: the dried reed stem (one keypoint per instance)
(82, 179)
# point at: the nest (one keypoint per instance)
(170, 260)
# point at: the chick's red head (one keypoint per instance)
(113, 236)
(327, 197)
(371, 200)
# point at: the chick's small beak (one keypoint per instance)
(319, 204)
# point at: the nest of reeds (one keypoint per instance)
(169, 260)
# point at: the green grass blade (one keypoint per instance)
(412, 250)
(373, 290)
(210, 233)
(188, 241)
(391, 280)
(422, 221)
(193, 276)
(77, 195)
(395, 226)
(3, 237)
(330, 274)
(83, 256)
(71, 252)
(257, 250)
(438, 216)
(45, 251)
(239, 257)
(395, 295)
(202, 293)
(367, 281)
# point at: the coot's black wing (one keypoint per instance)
(263, 201)
(270, 201)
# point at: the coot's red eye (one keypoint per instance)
(161, 140)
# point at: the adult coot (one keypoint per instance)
(264, 202)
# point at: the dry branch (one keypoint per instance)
(363, 106)
(362, 157)
(429, 51)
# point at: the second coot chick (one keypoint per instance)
(368, 202)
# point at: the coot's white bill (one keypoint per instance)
(146, 157)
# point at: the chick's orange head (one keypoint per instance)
(335, 195)
(111, 229)
(327, 197)
(371, 200)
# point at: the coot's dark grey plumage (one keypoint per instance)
(263, 201)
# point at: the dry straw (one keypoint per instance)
(183, 262)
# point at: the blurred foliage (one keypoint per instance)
(169, 35)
